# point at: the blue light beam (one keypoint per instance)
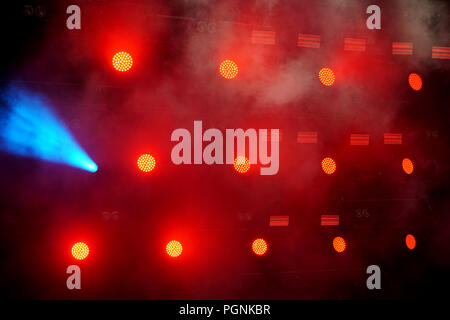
(29, 128)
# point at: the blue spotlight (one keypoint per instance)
(29, 128)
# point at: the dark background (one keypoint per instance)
(213, 211)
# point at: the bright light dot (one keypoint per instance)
(415, 81)
(122, 61)
(407, 165)
(146, 162)
(259, 247)
(228, 69)
(241, 164)
(410, 241)
(326, 76)
(80, 250)
(339, 244)
(328, 165)
(174, 248)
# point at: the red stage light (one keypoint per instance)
(328, 165)
(407, 166)
(228, 69)
(122, 61)
(174, 248)
(146, 163)
(415, 81)
(80, 250)
(326, 76)
(410, 241)
(259, 247)
(339, 244)
(241, 164)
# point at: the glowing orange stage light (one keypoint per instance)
(259, 247)
(80, 250)
(326, 76)
(415, 81)
(410, 241)
(146, 163)
(407, 166)
(174, 248)
(339, 244)
(328, 165)
(228, 69)
(241, 164)
(122, 61)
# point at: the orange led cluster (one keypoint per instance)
(146, 163)
(174, 248)
(80, 250)
(407, 166)
(228, 69)
(339, 244)
(241, 164)
(326, 76)
(415, 81)
(122, 61)
(328, 165)
(259, 247)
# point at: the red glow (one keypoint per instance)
(410, 241)
(241, 164)
(339, 244)
(326, 76)
(228, 69)
(146, 163)
(259, 247)
(408, 166)
(174, 248)
(415, 81)
(80, 250)
(122, 61)
(328, 165)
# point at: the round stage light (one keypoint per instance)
(339, 244)
(259, 247)
(80, 250)
(328, 165)
(407, 165)
(228, 69)
(122, 61)
(326, 76)
(241, 164)
(146, 163)
(410, 241)
(174, 248)
(415, 81)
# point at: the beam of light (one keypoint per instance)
(29, 128)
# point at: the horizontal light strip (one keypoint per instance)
(263, 37)
(329, 220)
(440, 52)
(307, 137)
(392, 138)
(279, 221)
(269, 136)
(308, 40)
(402, 48)
(352, 44)
(359, 139)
